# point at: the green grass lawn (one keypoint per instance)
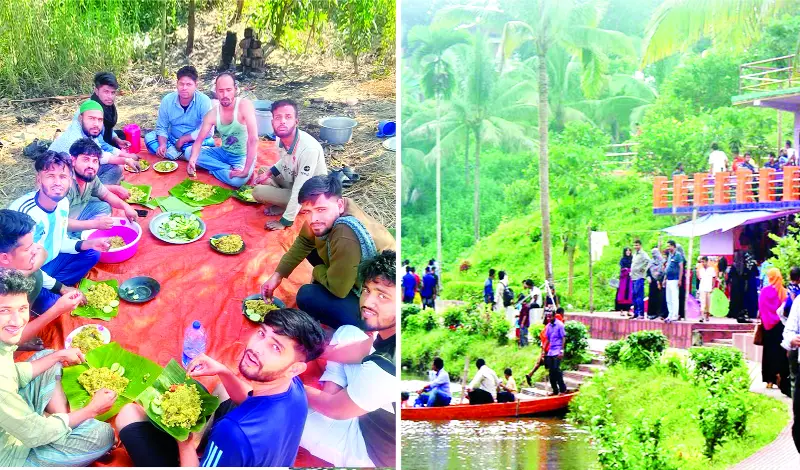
(653, 393)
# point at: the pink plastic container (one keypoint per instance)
(131, 232)
(133, 135)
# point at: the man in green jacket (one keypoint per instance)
(336, 236)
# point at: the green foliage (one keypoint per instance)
(711, 365)
(706, 82)
(786, 252)
(721, 418)
(639, 350)
(675, 365)
(628, 399)
(612, 352)
(425, 320)
(499, 328)
(576, 344)
(406, 311)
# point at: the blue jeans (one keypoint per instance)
(92, 210)
(68, 269)
(219, 163)
(317, 301)
(638, 297)
(110, 173)
(151, 142)
(433, 398)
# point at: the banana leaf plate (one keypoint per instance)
(220, 194)
(174, 374)
(141, 372)
(245, 194)
(146, 189)
(94, 312)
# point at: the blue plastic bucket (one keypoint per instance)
(386, 128)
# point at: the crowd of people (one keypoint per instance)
(266, 411)
(426, 288)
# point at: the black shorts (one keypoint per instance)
(149, 446)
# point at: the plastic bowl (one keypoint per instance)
(337, 129)
(263, 110)
(131, 232)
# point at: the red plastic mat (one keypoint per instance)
(197, 283)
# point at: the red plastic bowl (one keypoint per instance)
(131, 232)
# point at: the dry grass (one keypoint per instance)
(321, 83)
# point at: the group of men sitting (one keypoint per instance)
(485, 387)
(265, 417)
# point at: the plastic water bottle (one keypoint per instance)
(194, 342)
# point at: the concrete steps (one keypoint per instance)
(573, 379)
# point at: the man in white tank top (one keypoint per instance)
(235, 119)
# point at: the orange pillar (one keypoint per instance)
(742, 189)
(659, 192)
(789, 184)
(700, 193)
(680, 196)
(766, 193)
(720, 191)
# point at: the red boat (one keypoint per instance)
(524, 406)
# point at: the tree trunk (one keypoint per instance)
(571, 258)
(476, 214)
(544, 165)
(438, 187)
(163, 66)
(239, 8)
(190, 26)
(466, 158)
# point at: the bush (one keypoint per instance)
(612, 352)
(535, 332)
(675, 366)
(499, 328)
(642, 349)
(723, 417)
(712, 364)
(470, 292)
(425, 320)
(406, 311)
(576, 344)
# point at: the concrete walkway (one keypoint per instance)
(781, 453)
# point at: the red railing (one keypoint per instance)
(743, 187)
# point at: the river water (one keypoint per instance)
(521, 443)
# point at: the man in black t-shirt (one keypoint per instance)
(353, 419)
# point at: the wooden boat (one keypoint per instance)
(524, 406)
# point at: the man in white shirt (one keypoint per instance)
(706, 274)
(301, 158)
(791, 153)
(352, 422)
(718, 161)
(68, 260)
(483, 388)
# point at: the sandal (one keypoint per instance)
(33, 344)
(350, 173)
(339, 175)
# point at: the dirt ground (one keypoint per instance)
(322, 84)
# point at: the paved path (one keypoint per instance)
(780, 454)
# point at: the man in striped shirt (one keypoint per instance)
(68, 260)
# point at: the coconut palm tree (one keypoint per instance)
(438, 82)
(572, 26)
(678, 24)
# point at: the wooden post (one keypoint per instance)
(780, 130)
(164, 40)
(591, 280)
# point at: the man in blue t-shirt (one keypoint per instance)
(674, 271)
(257, 426)
(409, 286)
(428, 291)
(488, 291)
